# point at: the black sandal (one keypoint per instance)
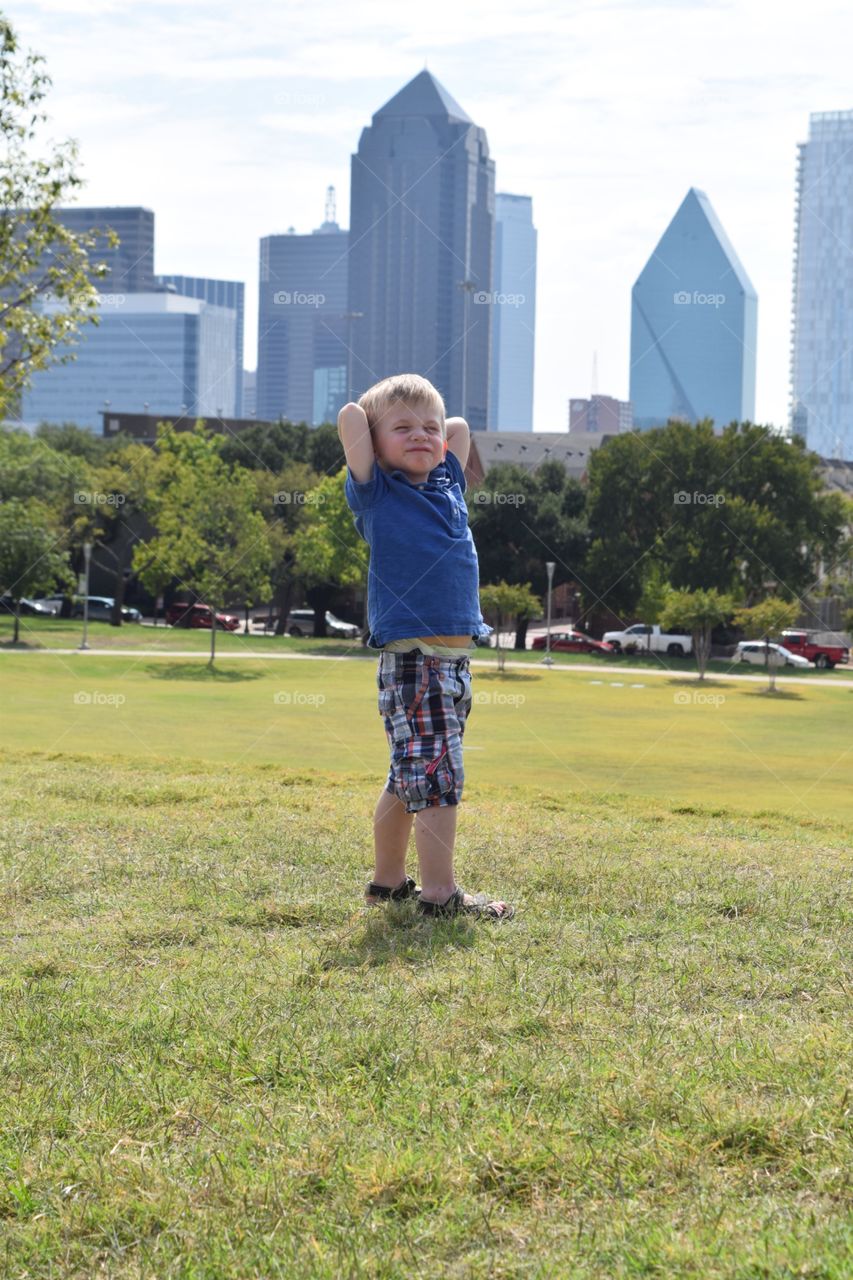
(383, 894)
(483, 907)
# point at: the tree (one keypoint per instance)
(738, 512)
(328, 550)
(697, 612)
(210, 534)
(502, 602)
(761, 621)
(29, 559)
(521, 519)
(40, 259)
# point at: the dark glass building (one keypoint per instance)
(131, 262)
(303, 326)
(422, 219)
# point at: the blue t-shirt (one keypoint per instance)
(424, 577)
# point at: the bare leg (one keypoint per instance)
(392, 827)
(435, 833)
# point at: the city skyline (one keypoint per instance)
(197, 111)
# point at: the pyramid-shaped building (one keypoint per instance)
(693, 325)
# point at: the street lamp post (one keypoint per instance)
(548, 661)
(87, 555)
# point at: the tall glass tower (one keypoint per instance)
(693, 325)
(513, 303)
(422, 219)
(822, 327)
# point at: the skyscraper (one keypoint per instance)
(822, 328)
(131, 262)
(303, 326)
(154, 351)
(222, 293)
(513, 305)
(693, 325)
(421, 244)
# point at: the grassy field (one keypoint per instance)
(727, 744)
(217, 1064)
(57, 633)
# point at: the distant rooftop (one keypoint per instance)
(424, 96)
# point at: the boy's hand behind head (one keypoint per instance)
(357, 438)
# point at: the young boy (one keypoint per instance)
(404, 485)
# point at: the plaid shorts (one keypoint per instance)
(425, 702)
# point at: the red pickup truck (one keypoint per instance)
(822, 655)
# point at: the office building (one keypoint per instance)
(513, 306)
(303, 324)
(693, 325)
(822, 325)
(221, 293)
(421, 247)
(151, 352)
(600, 415)
(131, 262)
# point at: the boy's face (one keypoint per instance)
(409, 438)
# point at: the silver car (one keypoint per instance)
(755, 652)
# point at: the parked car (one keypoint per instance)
(755, 651)
(807, 646)
(572, 641)
(185, 614)
(642, 638)
(300, 622)
(101, 609)
(28, 608)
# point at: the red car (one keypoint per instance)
(573, 642)
(184, 614)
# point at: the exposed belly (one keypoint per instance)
(455, 641)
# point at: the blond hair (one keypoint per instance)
(409, 388)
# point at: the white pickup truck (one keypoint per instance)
(645, 639)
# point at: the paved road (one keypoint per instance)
(605, 673)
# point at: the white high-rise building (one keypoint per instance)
(822, 328)
(513, 304)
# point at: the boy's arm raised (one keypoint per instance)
(458, 438)
(355, 436)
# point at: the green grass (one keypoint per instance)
(729, 743)
(217, 1064)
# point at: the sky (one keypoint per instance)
(230, 121)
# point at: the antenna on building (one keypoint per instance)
(331, 214)
(595, 373)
